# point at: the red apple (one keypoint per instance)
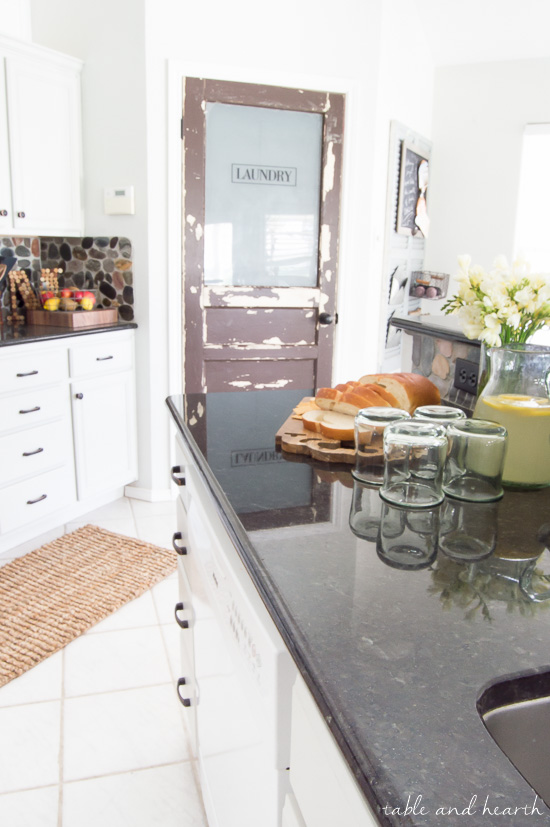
(78, 295)
(66, 293)
(45, 295)
(89, 295)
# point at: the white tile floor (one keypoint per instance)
(95, 735)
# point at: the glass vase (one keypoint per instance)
(516, 394)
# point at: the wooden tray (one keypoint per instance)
(293, 438)
(74, 319)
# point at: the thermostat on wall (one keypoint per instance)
(119, 201)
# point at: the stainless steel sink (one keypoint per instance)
(516, 713)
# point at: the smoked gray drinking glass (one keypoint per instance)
(468, 530)
(364, 515)
(477, 448)
(414, 458)
(400, 545)
(439, 414)
(369, 442)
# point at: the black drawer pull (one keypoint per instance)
(79, 396)
(103, 358)
(183, 624)
(180, 549)
(176, 469)
(21, 214)
(32, 502)
(185, 701)
(32, 453)
(3, 213)
(30, 410)
(30, 373)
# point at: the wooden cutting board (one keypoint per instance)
(295, 439)
(75, 319)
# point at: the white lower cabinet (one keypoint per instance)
(324, 790)
(302, 778)
(56, 463)
(104, 432)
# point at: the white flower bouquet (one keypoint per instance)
(506, 304)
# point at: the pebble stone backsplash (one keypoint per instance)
(93, 263)
(436, 359)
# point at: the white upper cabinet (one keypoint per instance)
(40, 141)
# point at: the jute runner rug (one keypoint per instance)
(54, 594)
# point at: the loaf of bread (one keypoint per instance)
(411, 390)
(397, 390)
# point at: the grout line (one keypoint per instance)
(132, 770)
(61, 742)
(88, 695)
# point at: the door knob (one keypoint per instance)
(325, 318)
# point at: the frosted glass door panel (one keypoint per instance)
(262, 196)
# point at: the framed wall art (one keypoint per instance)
(412, 207)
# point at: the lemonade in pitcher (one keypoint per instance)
(517, 395)
(527, 420)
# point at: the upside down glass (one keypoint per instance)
(369, 442)
(439, 414)
(414, 458)
(477, 449)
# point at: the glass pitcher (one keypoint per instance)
(517, 395)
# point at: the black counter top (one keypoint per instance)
(21, 334)
(397, 648)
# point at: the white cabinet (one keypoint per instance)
(40, 141)
(309, 783)
(324, 791)
(104, 412)
(57, 463)
(36, 457)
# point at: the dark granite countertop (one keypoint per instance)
(21, 334)
(397, 648)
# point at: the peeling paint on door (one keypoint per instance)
(245, 337)
(330, 166)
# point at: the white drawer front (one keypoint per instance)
(35, 450)
(28, 501)
(101, 357)
(26, 410)
(29, 368)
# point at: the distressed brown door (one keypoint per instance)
(261, 202)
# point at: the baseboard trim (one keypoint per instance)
(151, 495)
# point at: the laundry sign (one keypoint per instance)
(255, 174)
(255, 456)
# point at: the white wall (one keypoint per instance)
(405, 94)
(15, 19)
(308, 45)
(109, 35)
(135, 53)
(480, 112)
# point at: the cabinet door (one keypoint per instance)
(43, 102)
(104, 432)
(5, 179)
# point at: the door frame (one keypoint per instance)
(177, 72)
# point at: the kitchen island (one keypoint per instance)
(398, 641)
